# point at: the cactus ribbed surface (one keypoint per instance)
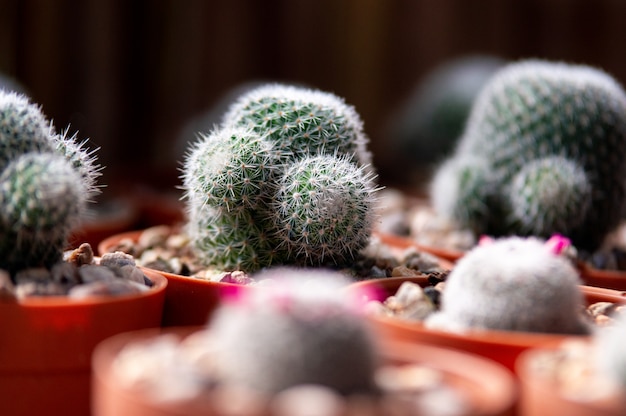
(533, 110)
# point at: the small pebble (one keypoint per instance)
(80, 256)
(92, 273)
(154, 236)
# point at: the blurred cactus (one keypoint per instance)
(572, 117)
(46, 180)
(513, 284)
(426, 125)
(300, 329)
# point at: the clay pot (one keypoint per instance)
(188, 301)
(540, 395)
(489, 388)
(500, 346)
(46, 345)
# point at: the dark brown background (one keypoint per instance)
(128, 74)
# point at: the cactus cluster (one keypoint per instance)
(284, 180)
(300, 329)
(46, 179)
(514, 284)
(543, 152)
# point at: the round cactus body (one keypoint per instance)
(536, 109)
(42, 197)
(323, 209)
(230, 168)
(297, 330)
(538, 193)
(23, 128)
(302, 122)
(513, 284)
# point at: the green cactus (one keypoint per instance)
(231, 240)
(253, 202)
(323, 209)
(23, 128)
(42, 197)
(230, 168)
(45, 181)
(534, 110)
(514, 284)
(537, 193)
(300, 329)
(302, 121)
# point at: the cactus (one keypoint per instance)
(323, 209)
(45, 181)
(230, 168)
(42, 197)
(537, 193)
(81, 159)
(302, 121)
(515, 284)
(234, 240)
(426, 126)
(23, 128)
(534, 110)
(253, 202)
(300, 329)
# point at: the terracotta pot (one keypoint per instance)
(489, 388)
(188, 301)
(500, 346)
(540, 395)
(46, 345)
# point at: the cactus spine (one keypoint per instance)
(302, 122)
(323, 209)
(534, 110)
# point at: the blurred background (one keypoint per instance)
(131, 75)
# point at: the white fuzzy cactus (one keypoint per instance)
(516, 284)
(299, 328)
